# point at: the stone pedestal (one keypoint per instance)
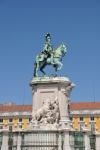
(52, 89)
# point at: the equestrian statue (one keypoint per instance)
(49, 56)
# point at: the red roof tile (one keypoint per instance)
(15, 108)
(28, 108)
(85, 105)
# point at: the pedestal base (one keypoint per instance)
(51, 101)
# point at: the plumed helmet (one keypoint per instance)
(47, 36)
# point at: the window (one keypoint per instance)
(92, 141)
(20, 126)
(92, 118)
(1, 120)
(81, 126)
(1, 137)
(92, 126)
(30, 119)
(10, 119)
(20, 119)
(10, 140)
(10, 128)
(81, 119)
(71, 118)
(79, 141)
(71, 125)
(1, 127)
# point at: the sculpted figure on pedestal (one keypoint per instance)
(39, 114)
(47, 114)
(48, 50)
(49, 56)
(55, 111)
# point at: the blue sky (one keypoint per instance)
(23, 24)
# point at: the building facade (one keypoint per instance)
(14, 117)
(85, 121)
(85, 115)
(82, 115)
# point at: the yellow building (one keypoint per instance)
(83, 115)
(13, 117)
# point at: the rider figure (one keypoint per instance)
(48, 49)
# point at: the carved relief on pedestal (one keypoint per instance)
(47, 114)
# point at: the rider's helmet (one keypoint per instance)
(47, 36)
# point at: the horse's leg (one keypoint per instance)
(43, 72)
(58, 66)
(41, 69)
(36, 68)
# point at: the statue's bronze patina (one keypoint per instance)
(49, 56)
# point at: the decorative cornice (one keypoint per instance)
(15, 114)
(85, 112)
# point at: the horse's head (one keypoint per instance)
(63, 49)
(60, 51)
